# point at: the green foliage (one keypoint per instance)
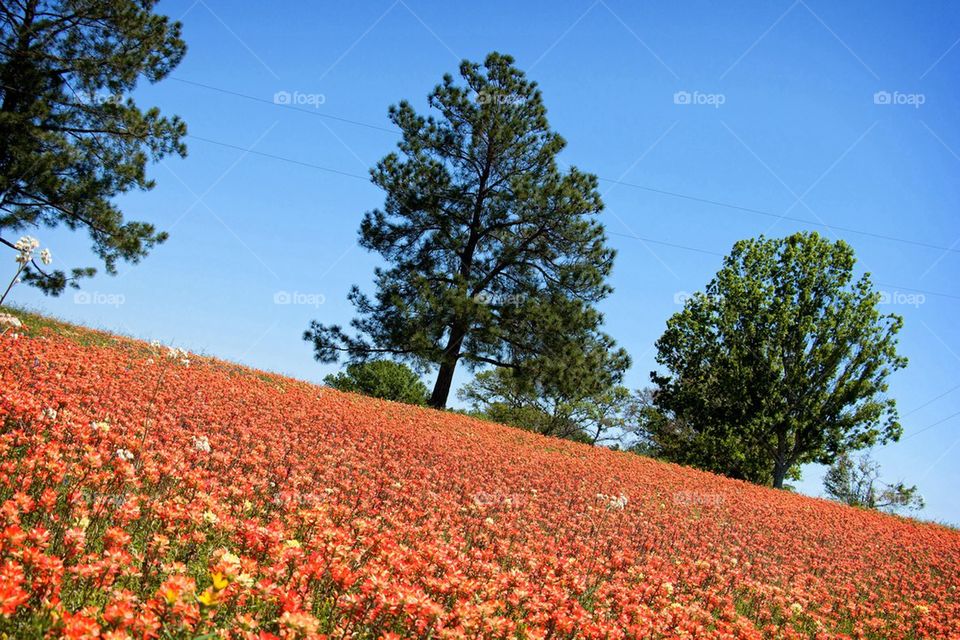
(381, 379)
(69, 140)
(495, 255)
(598, 415)
(782, 361)
(857, 483)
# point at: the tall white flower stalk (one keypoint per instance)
(25, 247)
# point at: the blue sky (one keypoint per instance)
(836, 117)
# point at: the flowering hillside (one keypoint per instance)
(151, 493)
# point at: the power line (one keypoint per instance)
(932, 400)
(276, 157)
(931, 426)
(664, 243)
(664, 192)
(778, 216)
(291, 107)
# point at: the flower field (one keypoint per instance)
(151, 493)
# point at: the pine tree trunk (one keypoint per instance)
(451, 355)
(441, 390)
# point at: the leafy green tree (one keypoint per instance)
(857, 483)
(495, 254)
(782, 361)
(69, 140)
(381, 379)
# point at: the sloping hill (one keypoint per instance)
(153, 493)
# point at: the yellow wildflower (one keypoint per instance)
(220, 581)
(208, 598)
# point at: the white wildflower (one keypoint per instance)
(50, 414)
(27, 243)
(9, 321)
(180, 355)
(46, 257)
(616, 503)
(102, 426)
(201, 443)
(25, 247)
(125, 454)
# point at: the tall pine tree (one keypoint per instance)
(495, 255)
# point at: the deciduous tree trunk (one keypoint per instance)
(779, 473)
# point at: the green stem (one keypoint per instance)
(12, 282)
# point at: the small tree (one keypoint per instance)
(69, 139)
(496, 257)
(584, 403)
(782, 361)
(381, 379)
(857, 483)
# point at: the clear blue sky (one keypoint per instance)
(781, 117)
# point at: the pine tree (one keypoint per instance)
(495, 255)
(69, 139)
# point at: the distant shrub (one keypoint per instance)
(384, 379)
